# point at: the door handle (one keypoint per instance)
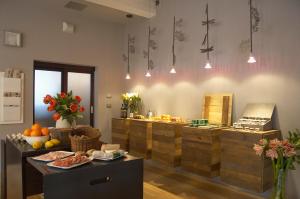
(100, 180)
(92, 109)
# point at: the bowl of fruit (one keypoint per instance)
(36, 134)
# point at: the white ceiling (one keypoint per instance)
(115, 14)
(143, 8)
(93, 10)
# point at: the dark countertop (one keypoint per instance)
(26, 149)
(46, 170)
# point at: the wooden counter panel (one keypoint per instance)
(140, 138)
(201, 151)
(166, 158)
(237, 178)
(120, 132)
(200, 158)
(240, 165)
(166, 143)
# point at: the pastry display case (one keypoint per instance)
(257, 117)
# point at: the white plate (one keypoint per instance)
(67, 154)
(50, 164)
(110, 159)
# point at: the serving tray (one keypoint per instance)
(50, 164)
(67, 154)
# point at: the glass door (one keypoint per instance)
(46, 82)
(79, 84)
(53, 78)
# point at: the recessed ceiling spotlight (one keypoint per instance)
(157, 2)
(75, 6)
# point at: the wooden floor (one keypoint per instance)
(167, 183)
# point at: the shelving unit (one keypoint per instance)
(11, 107)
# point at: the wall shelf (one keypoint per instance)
(11, 99)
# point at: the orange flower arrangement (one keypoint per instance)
(65, 105)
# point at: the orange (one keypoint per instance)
(45, 131)
(36, 127)
(27, 132)
(36, 133)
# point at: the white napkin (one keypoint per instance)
(108, 154)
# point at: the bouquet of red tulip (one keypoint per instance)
(283, 154)
(65, 105)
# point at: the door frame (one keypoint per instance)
(64, 69)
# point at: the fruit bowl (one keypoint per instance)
(31, 139)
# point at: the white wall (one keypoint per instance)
(95, 43)
(275, 77)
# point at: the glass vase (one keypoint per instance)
(279, 185)
(64, 123)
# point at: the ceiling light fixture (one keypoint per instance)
(128, 54)
(208, 48)
(148, 74)
(129, 15)
(251, 59)
(127, 76)
(173, 71)
(207, 65)
(130, 49)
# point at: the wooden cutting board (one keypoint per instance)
(217, 108)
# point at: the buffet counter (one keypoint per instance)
(240, 165)
(166, 142)
(120, 132)
(156, 139)
(201, 150)
(140, 137)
